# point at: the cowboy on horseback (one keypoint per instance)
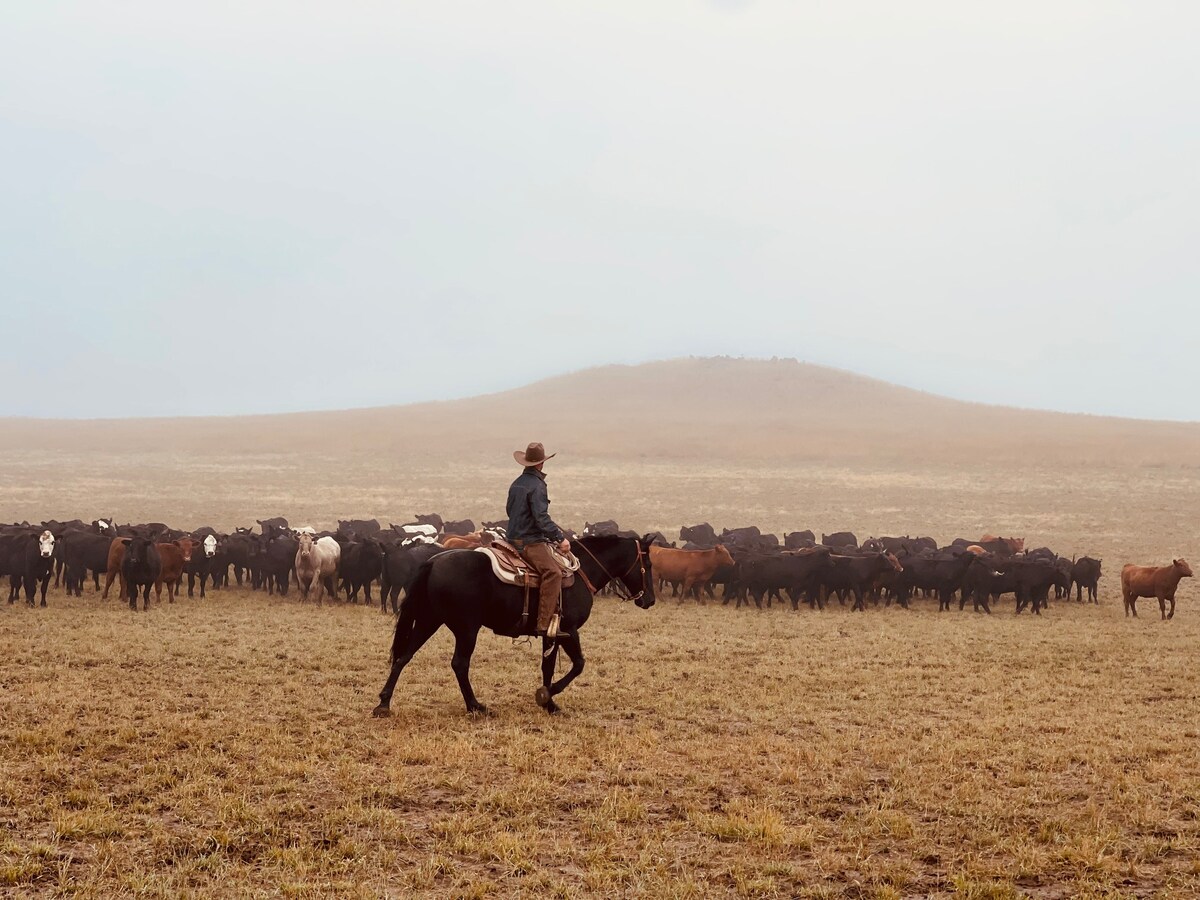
(534, 534)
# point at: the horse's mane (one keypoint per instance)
(602, 539)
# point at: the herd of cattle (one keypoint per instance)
(745, 563)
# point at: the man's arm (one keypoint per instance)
(539, 505)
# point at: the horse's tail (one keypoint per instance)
(415, 600)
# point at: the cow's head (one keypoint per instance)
(185, 546)
(723, 555)
(137, 551)
(893, 562)
(306, 545)
(1185, 571)
(210, 546)
(46, 544)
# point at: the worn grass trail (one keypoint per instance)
(226, 746)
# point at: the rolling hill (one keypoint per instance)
(731, 411)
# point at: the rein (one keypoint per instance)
(619, 586)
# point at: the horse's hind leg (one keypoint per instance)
(464, 646)
(574, 650)
(421, 632)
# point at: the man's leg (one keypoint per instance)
(539, 556)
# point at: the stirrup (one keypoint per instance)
(552, 630)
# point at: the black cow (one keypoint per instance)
(432, 519)
(940, 573)
(987, 578)
(657, 537)
(856, 574)
(702, 535)
(799, 573)
(607, 528)
(203, 557)
(240, 552)
(799, 540)
(140, 568)
(27, 558)
(998, 547)
(1085, 573)
(359, 528)
(1034, 580)
(270, 528)
(361, 563)
(278, 560)
(83, 551)
(400, 565)
(839, 539)
(462, 526)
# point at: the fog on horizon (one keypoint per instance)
(232, 208)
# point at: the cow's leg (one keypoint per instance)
(464, 646)
(108, 580)
(45, 586)
(1171, 614)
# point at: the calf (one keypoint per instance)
(691, 568)
(856, 574)
(840, 539)
(799, 540)
(798, 573)
(27, 557)
(317, 564)
(362, 563)
(278, 562)
(116, 558)
(1033, 580)
(703, 535)
(141, 567)
(84, 551)
(173, 559)
(400, 565)
(1085, 573)
(202, 559)
(941, 573)
(1159, 582)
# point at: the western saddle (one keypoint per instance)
(510, 567)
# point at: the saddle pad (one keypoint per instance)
(526, 574)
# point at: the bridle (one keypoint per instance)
(618, 584)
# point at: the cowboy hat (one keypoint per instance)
(534, 454)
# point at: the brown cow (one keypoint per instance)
(116, 556)
(175, 556)
(461, 541)
(693, 568)
(1153, 581)
(1015, 544)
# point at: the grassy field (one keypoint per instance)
(226, 746)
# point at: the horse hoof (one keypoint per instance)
(381, 712)
(480, 711)
(542, 696)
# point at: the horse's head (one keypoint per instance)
(639, 580)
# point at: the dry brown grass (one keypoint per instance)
(226, 747)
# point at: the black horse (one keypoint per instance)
(458, 589)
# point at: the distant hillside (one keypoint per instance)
(693, 410)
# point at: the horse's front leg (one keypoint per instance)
(544, 696)
(572, 647)
(464, 646)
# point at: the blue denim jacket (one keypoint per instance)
(529, 510)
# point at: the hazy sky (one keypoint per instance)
(239, 207)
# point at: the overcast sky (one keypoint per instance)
(253, 207)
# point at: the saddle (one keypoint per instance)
(510, 567)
